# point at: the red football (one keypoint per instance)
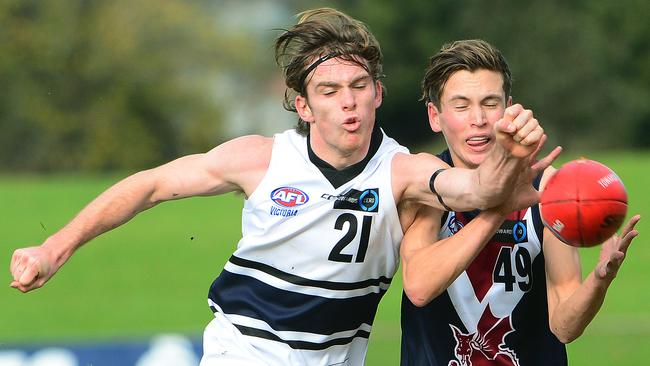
(584, 203)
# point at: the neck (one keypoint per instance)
(340, 159)
(343, 159)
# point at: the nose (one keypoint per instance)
(348, 100)
(478, 117)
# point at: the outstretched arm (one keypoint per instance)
(225, 168)
(510, 162)
(430, 265)
(572, 305)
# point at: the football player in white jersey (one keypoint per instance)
(326, 205)
(495, 287)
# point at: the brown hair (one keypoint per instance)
(319, 35)
(470, 55)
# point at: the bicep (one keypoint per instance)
(236, 165)
(456, 187)
(411, 176)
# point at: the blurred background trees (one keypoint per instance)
(105, 85)
(583, 66)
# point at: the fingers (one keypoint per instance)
(503, 125)
(17, 266)
(511, 113)
(14, 260)
(631, 224)
(29, 275)
(25, 270)
(610, 267)
(629, 233)
(613, 261)
(506, 124)
(529, 134)
(521, 123)
(23, 288)
(547, 160)
(539, 146)
(528, 129)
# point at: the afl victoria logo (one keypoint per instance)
(289, 197)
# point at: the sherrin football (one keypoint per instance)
(584, 203)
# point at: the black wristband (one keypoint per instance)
(432, 187)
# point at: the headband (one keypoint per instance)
(313, 66)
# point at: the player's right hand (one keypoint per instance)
(31, 268)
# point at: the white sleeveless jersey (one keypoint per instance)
(304, 283)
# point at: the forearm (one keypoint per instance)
(495, 178)
(115, 206)
(571, 317)
(428, 271)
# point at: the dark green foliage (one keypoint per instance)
(97, 85)
(104, 85)
(582, 66)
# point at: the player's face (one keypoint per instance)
(471, 103)
(340, 107)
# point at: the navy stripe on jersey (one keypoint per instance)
(301, 281)
(254, 332)
(291, 311)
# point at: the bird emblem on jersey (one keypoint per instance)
(487, 345)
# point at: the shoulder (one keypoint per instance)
(242, 161)
(250, 147)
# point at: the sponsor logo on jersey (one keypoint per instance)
(284, 212)
(512, 231)
(289, 197)
(366, 200)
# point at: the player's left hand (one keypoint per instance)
(518, 132)
(524, 194)
(613, 251)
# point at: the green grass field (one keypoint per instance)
(152, 275)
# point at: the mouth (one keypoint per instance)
(479, 142)
(351, 124)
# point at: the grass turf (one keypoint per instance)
(152, 275)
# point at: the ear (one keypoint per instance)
(303, 109)
(434, 117)
(509, 102)
(379, 93)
